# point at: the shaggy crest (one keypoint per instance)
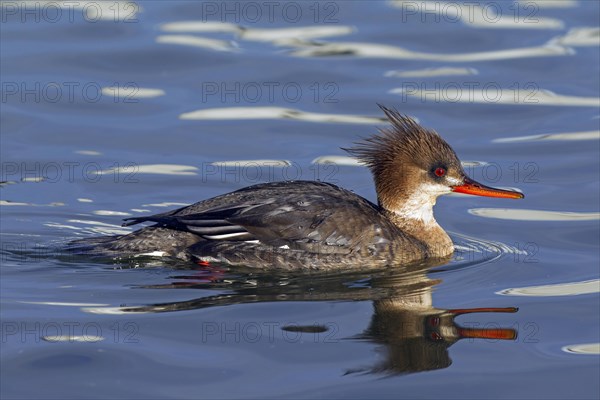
(406, 140)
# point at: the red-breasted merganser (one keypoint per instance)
(317, 225)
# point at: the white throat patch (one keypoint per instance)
(419, 204)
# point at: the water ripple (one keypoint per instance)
(431, 72)
(275, 35)
(570, 136)
(472, 252)
(229, 113)
(533, 97)
(534, 215)
(252, 163)
(584, 348)
(197, 41)
(559, 289)
(580, 36)
(374, 50)
(159, 169)
(550, 3)
(131, 92)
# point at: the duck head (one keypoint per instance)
(412, 166)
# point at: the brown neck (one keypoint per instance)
(429, 232)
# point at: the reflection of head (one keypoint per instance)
(416, 338)
(413, 355)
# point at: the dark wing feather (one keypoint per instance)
(212, 225)
(303, 215)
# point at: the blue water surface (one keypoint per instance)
(113, 109)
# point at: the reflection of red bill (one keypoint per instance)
(461, 311)
(499, 334)
(475, 333)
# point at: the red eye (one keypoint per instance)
(440, 172)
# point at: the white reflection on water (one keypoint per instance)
(152, 254)
(353, 162)
(131, 92)
(18, 203)
(196, 41)
(63, 304)
(201, 27)
(302, 38)
(118, 229)
(431, 72)
(229, 113)
(122, 310)
(90, 227)
(560, 289)
(580, 36)
(159, 169)
(282, 35)
(338, 160)
(549, 3)
(588, 135)
(111, 213)
(252, 163)
(495, 95)
(97, 227)
(70, 339)
(33, 179)
(474, 164)
(275, 35)
(165, 204)
(373, 50)
(584, 348)
(534, 215)
(88, 152)
(473, 14)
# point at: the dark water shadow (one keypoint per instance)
(408, 329)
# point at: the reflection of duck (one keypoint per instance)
(414, 335)
(316, 225)
(418, 339)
